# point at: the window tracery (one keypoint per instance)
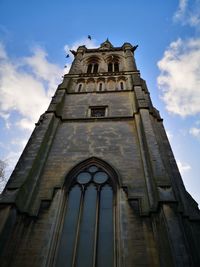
(87, 237)
(93, 64)
(113, 63)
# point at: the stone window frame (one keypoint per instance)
(89, 112)
(113, 66)
(114, 182)
(100, 86)
(93, 68)
(121, 85)
(80, 87)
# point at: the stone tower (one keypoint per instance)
(97, 184)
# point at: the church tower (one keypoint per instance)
(97, 184)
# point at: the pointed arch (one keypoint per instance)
(113, 63)
(92, 63)
(92, 59)
(93, 161)
(88, 223)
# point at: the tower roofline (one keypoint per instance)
(105, 46)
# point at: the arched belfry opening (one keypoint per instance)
(113, 63)
(88, 224)
(93, 65)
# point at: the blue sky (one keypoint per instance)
(36, 35)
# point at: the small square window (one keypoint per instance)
(97, 112)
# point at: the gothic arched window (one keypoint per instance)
(116, 67)
(113, 67)
(95, 69)
(92, 68)
(88, 225)
(89, 69)
(121, 85)
(110, 69)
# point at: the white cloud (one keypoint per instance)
(43, 69)
(25, 123)
(183, 167)
(195, 132)
(188, 13)
(26, 85)
(19, 142)
(169, 135)
(179, 79)
(181, 9)
(5, 117)
(11, 160)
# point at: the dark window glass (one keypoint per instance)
(121, 85)
(100, 87)
(98, 112)
(87, 229)
(100, 177)
(79, 87)
(87, 237)
(69, 231)
(110, 67)
(116, 67)
(89, 69)
(83, 177)
(93, 168)
(105, 252)
(95, 70)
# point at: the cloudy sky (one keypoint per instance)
(36, 35)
